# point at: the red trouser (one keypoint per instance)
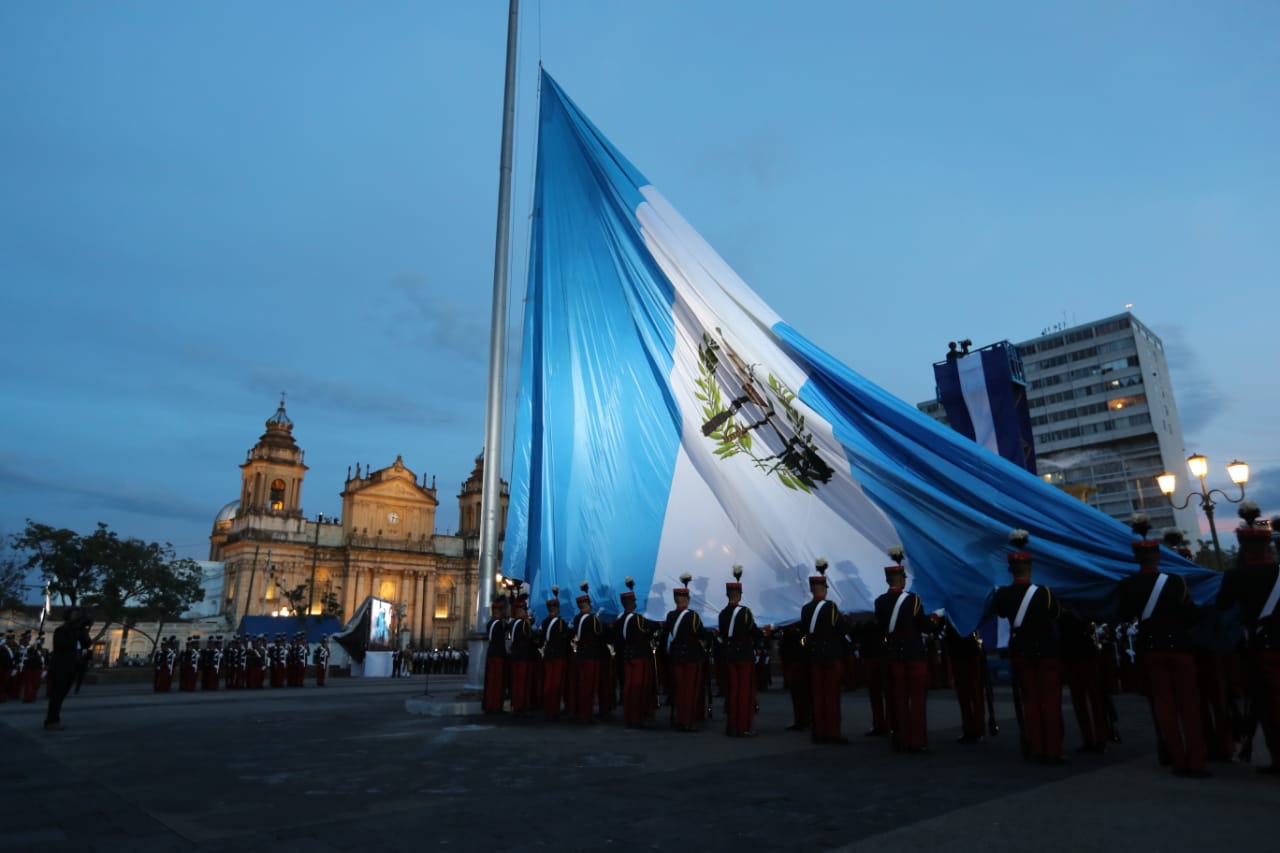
(637, 690)
(825, 677)
(495, 676)
(586, 686)
(1211, 675)
(607, 686)
(30, 684)
(740, 699)
(910, 682)
(1172, 677)
(877, 674)
(552, 686)
(521, 684)
(966, 674)
(1040, 689)
(801, 687)
(1085, 682)
(687, 694)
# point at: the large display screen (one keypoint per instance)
(379, 624)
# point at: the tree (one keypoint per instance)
(72, 565)
(125, 580)
(299, 599)
(12, 578)
(145, 582)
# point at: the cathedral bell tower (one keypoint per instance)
(271, 476)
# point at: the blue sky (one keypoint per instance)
(202, 205)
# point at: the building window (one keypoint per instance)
(277, 494)
(387, 590)
(442, 605)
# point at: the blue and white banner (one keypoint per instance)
(982, 402)
(669, 421)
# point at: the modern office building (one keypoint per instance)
(1104, 417)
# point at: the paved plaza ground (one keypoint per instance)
(347, 768)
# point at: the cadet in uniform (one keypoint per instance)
(634, 638)
(737, 639)
(555, 657)
(188, 676)
(1254, 585)
(968, 675)
(823, 640)
(903, 621)
(322, 660)
(522, 654)
(1033, 613)
(1162, 605)
(8, 664)
(276, 661)
(495, 659)
(682, 639)
(588, 650)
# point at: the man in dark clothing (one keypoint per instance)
(1165, 612)
(824, 640)
(69, 639)
(737, 641)
(1254, 586)
(1034, 651)
(902, 618)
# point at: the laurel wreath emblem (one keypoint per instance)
(793, 455)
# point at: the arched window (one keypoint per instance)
(277, 494)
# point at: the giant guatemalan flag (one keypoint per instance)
(669, 421)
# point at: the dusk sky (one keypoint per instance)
(203, 205)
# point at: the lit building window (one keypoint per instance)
(277, 494)
(442, 605)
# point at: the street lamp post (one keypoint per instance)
(1199, 466)
(315, 557)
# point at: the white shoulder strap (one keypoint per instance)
(675, 629)
(1022, 608)
(1156, 589)
(813, 620)
(1272, 600)
(897, 608)
(733, 618)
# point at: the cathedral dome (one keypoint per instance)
(227, 513)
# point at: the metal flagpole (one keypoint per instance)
(490, 495)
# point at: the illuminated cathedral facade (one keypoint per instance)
(384, 544)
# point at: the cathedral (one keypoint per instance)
(384, 544)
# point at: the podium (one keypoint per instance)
(375, 665)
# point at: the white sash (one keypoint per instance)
(551, 624)
(1156, 589)
(813, 620)
(578, 634)
(1272, 600)
(675, 629)
(1022, 608)
(897, 608)
(497, 623)
(626, 623)
(733, 617)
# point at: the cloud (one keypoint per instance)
(443, 323)
(1264, 489)
(1200, 399)
(137, 498)
(369, 401)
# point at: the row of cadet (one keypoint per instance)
(24, 662)
(444, 660)
(241, 663)
(1207, 699)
